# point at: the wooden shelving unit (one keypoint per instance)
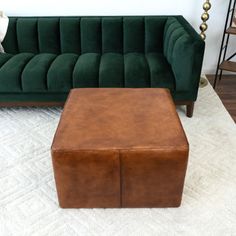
(224, 62)
(228, 66)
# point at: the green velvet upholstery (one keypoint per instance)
(91, 39)
(161, 75)
(47, 56)
(111, 41)
(10, 40)
(136, 71)
(59, 76)
(27, 36)
(34, 75)
(70, 26)
(11, 71)
(86, 71)
(111, 70)
(4, 57)
(181, 49)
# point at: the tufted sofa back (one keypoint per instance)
(85, 34)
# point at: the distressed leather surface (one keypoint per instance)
(87, 178)
(119, 148)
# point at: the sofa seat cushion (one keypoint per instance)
(4, 57)
(85, 74)
(131, 70)
(59, 77)
(11, 72)
(160, 71)
(111, 71)
(148, 70)
(47, 72)
(34, 76)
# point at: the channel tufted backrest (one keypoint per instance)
(85, 34)
(183, 46)
(175, 34)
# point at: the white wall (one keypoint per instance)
(190, 9)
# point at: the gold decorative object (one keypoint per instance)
(207, 6)
(203, 27)
(203, 35)
(205, 17)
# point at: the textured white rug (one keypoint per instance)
(28, 201)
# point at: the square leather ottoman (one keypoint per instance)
(119, 148)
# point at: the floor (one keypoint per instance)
(226, 89)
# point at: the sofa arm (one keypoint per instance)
(184, 50)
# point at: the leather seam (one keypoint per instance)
(121, 178)
(184, 148)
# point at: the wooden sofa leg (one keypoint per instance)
(189, 109)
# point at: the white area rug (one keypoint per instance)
(28, 200)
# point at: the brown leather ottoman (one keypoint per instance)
(119, 148)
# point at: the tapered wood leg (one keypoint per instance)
(189, 109)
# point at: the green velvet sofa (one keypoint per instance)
(47, 56)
